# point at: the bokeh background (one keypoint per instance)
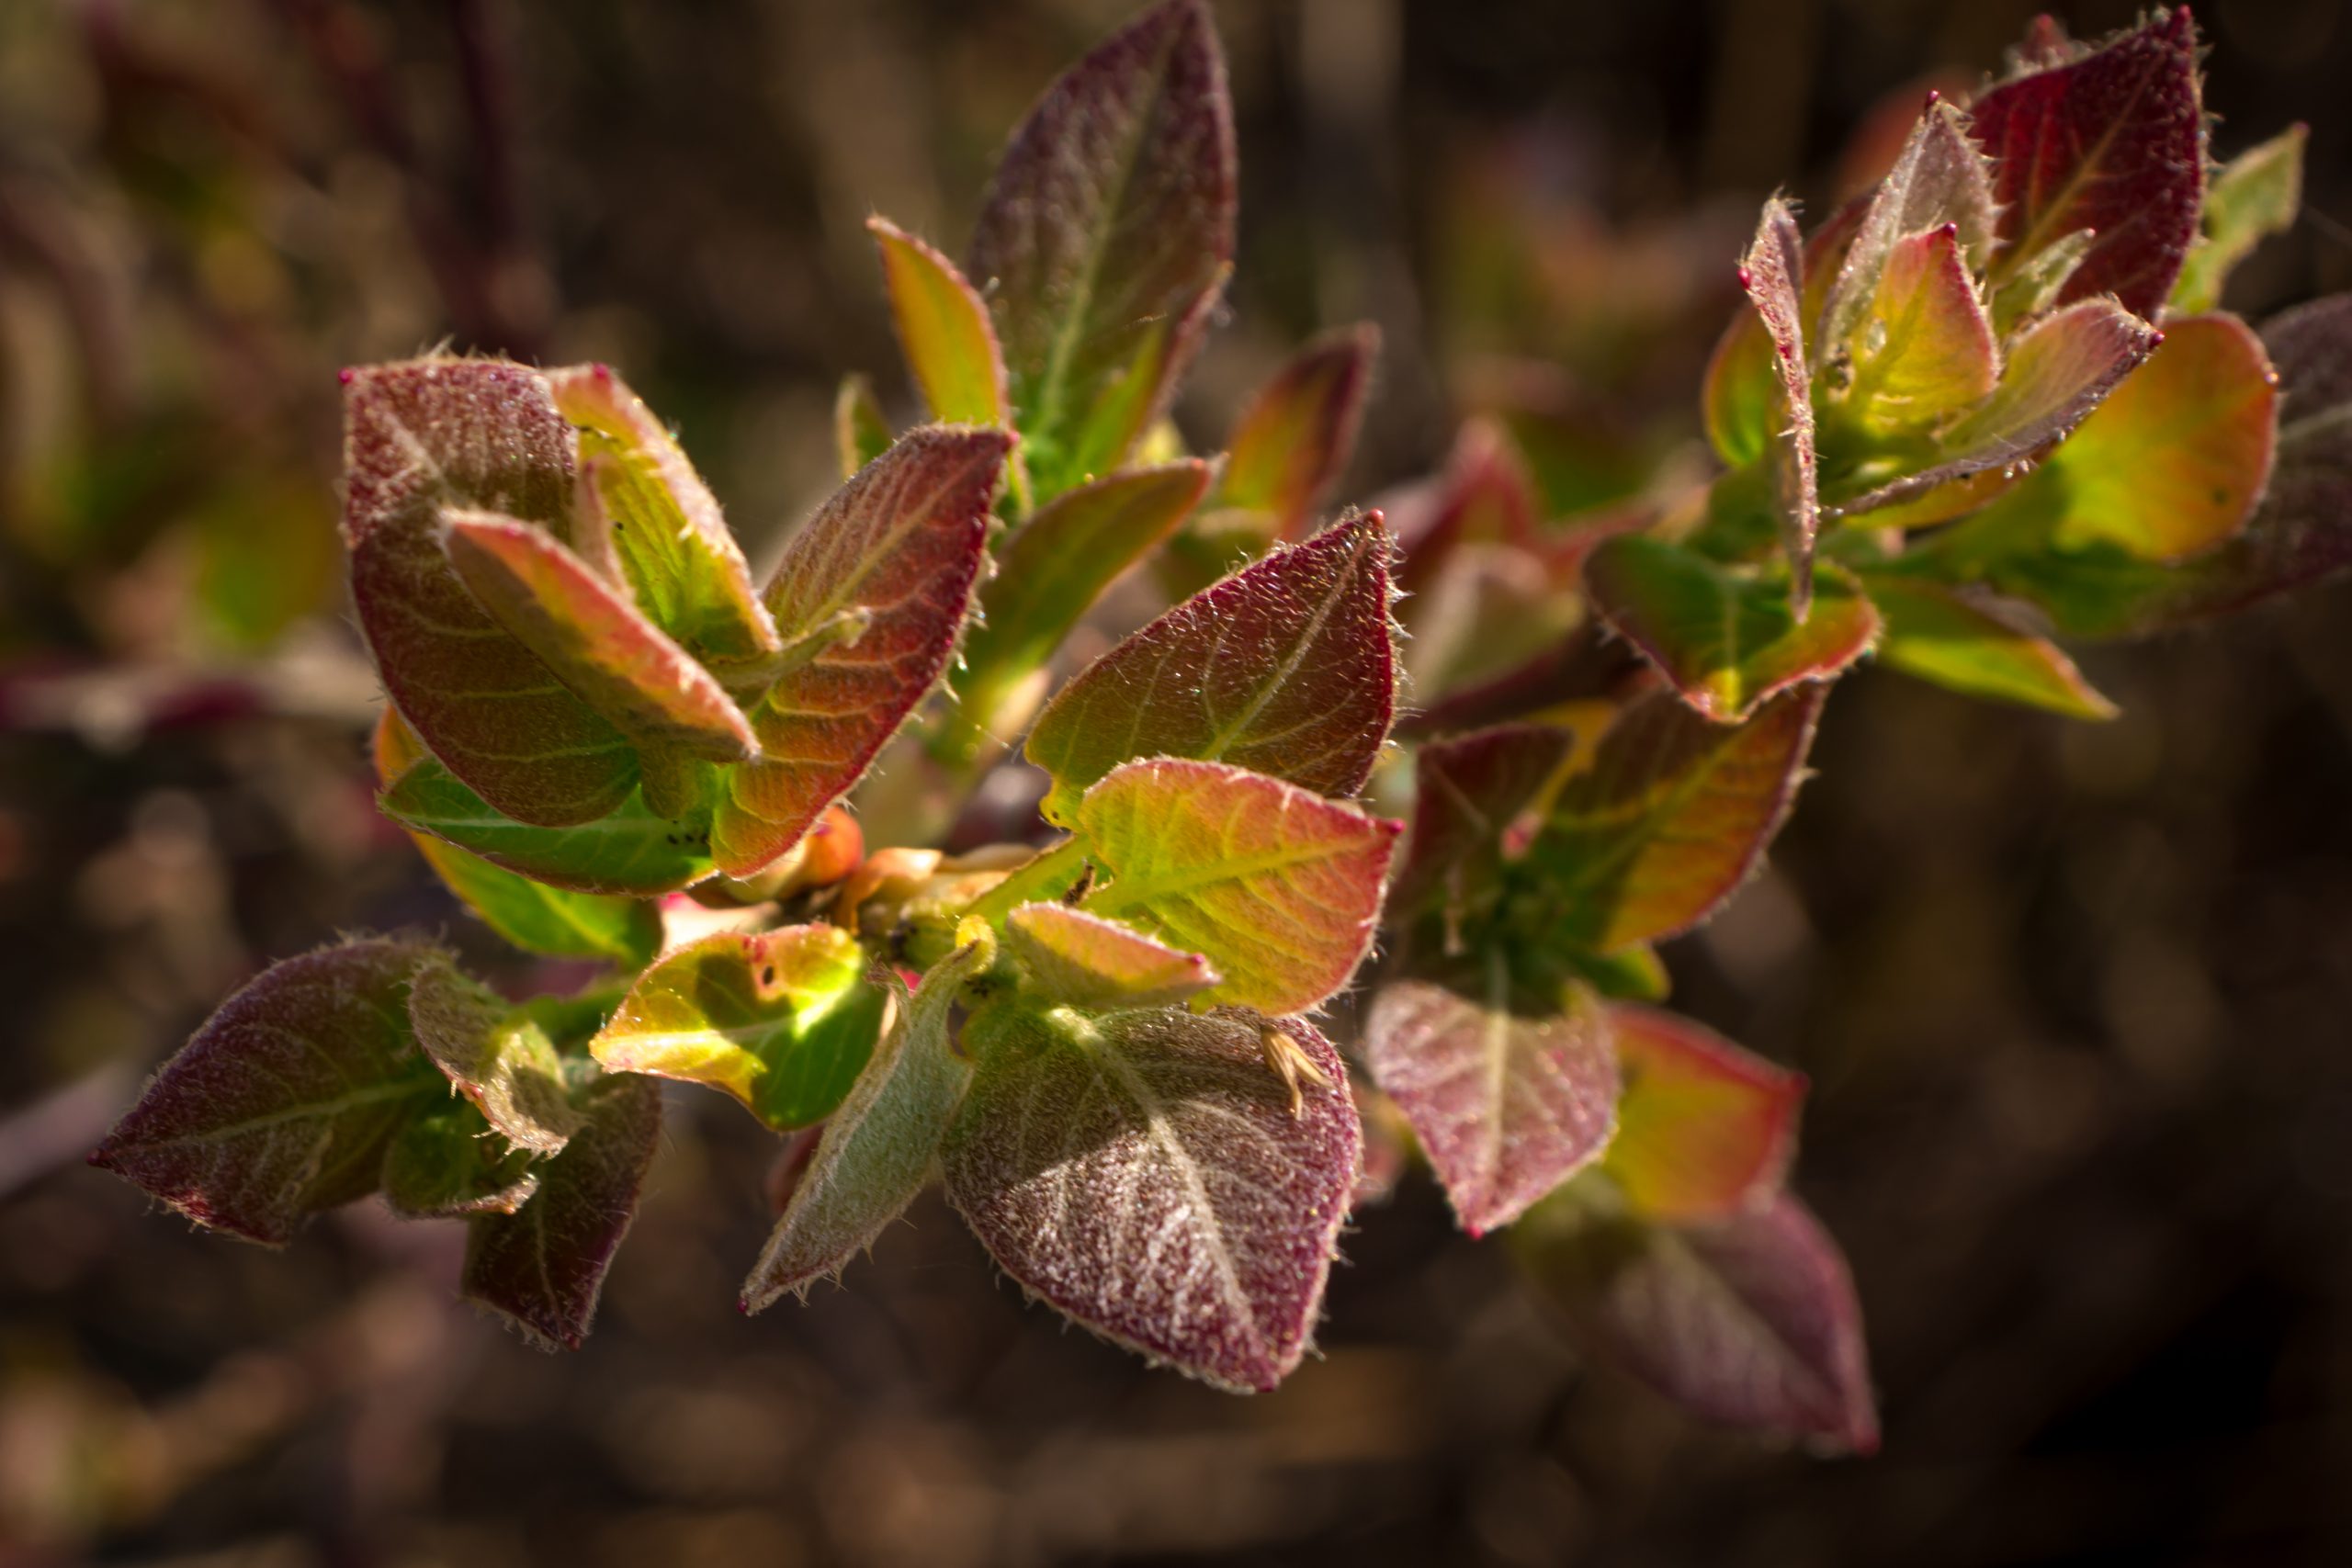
(2076, 1002)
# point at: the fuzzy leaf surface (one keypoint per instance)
(1084, 961)
(498, 1058)
(2255, 194)
(447, 1162)
(944, 329)
(1288, 667)
(1926, 350)
(1472, 797)
(281, 1105)
(1279, 888)
(1939, 634)
(782, 1019)
(1773, 276)
(629, 850)
(1704, 1129)
(1939, 180)
(1142, 1172)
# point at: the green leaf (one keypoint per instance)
(282, 1104)
(894, 555)
(1287, 666)
(1105, 238)
(1507, 1106)
(1704, 1129)
(1926, 350)
(1292, 442)
(1722, 636)
(1279, 889)
(879, 1150)
(433, 433)
(631, 851)
(861, 430)
(1939, 180)
(1939, 634)
(1772, 274)
(658, 521)
(1083, 961)
(782, 1019)
(2253, 194)
(543, 1266)
(446, 1161)
(1145, 1174)
(944, 328)
(498, 1058)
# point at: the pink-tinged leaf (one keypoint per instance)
(861, 430)
(1144, 1173)
(433, 433)
(784, 1020)
(1294, 441)
(1486, 496)
(1469, 795)
(445, 1162)
(631, 851)
(1750, 1321)
(1506, 1106)
(1773, 276)
(1740, 399)
(1925, 351)
(1278, 888)
(659, 522)
(543, 1266)
(595, 641)
(1288, 667)
(1105, 239)
(1939, 634)
(1704, 1129)
(2113, 143)
(1667, 822)
(1084, 961)
(944, 329)
(892, 557)
(2059, 370)
(1939, 180)
(1724, 636)
(497, 1058)
(2255, 194)
(879, 1149)
(283, 1103)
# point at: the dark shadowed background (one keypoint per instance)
(2076, 1002)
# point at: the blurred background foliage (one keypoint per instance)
(2073, 997)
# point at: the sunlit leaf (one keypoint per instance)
(1287, 666)
(1070, 957)
(1278, 888)
(892, 556)
(497, 1056)
(1926, 350)
(2255, 194)
(543, 1266)
(1105, 238)
(283, 1103)
(1939, 180)
(1773, 276)
(1725, 637)
(2113, 143)
(631, 851)
(1145, 1174)
(1292, 442)
(944, 328)
(1472, 794)
(1506, 1105)
(861, 430)
(447, 1161)
(1742, 396)
(1704, 1129)
(781, 1019)
(1940, 634)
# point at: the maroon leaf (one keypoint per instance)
(1468, 792)
(2113, 143)
(1773, 276)
(1145, 1173)
(1507, 1107)
(282, 1104)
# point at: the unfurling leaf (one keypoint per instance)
(1940, 181)
(1749, 1320)
(1278, 888)
(448, 1161)
(1704, 1129)
(1144, 1173)
(543, 1266)
(879, 1149)
(1744, 390)
(782, 1019)
(283, 1103)
(1725, 637)
(1940, 634)
(433, 433)
(896, 550)
(1926, 350)
(1083, 961)
(497, 1056)
(2256, 194)
(861, 430)
(1507, 1106)
(628, 851)
(2114, 142)
(1773, 276)
(1287, 666)
(1105, 238)
(1292, 443)
(944, 328)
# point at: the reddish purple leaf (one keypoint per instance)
(1505, 1107)
(1773, 276)
(1292, 443)
(1469, 794)
(1145, 1173)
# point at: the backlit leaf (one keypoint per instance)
(1143, 1172)
(282, 1104)
(1704, 1129)
(1105, 239)
(631, 851)
(2255, 194)
(543, 1266)
(895, 551)
(1940, 634)
(1507, 1106)
(1724, 636)
(1939, 180)
(1925, 351)
(1743, 392)
(1773, 276)
(2113, 143)
(861, 430)
(498, 1058)
(446, 1161)
(1471, 794)
(944, 328)
(781, 1019)
(1292, 442)
(1287, 666)
(1278, 888)
(1084, 961)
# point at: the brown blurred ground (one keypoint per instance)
(2074, 1000)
